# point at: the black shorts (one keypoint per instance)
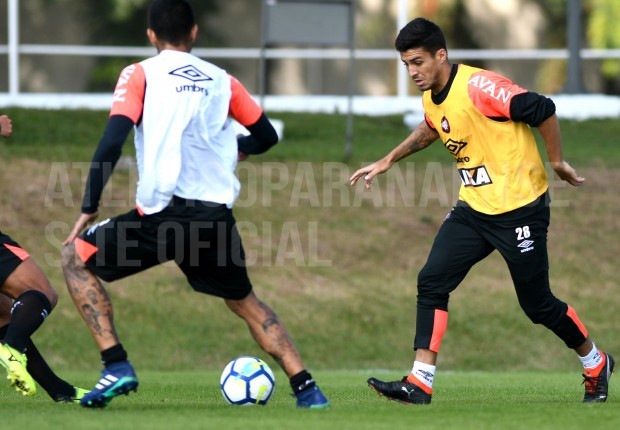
(467, 236)
(11, 256)
(201, 237)
(520, 236)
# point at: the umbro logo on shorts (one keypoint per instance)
(526, 245)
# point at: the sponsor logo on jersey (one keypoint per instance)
(454, 147)
(488, 86)
(191, 73)
(445, 125)
(191, 89)
(121, 85)
(526, 245)
(475, 176)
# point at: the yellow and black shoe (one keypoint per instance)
(15, 364)
(76, 397)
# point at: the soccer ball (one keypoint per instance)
(247, 381)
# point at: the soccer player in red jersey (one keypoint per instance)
(484, 120)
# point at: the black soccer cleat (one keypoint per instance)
(400, 391)
(598, 386)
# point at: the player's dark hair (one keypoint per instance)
(171, 20)
(420, 33)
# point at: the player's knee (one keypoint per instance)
(241, 306)
(251, 309)
(543, 313)
(434, 274)
(30, 277)
(5, 310)
(41, 284)
(51, 295)
(433, 289)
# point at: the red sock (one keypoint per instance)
(415, 381)
(595, 371)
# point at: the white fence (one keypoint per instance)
(400, 102)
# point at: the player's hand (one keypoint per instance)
(240, 154)
(6, 126)
(80, 224)
(567, 173)
(370, 172)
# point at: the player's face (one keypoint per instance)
(425, 68)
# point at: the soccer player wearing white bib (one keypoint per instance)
(187, 150)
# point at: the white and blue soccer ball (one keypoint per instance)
(247, 381)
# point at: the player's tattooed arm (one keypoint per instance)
(419, 139)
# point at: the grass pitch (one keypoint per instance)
(295, 204)
(462, 400)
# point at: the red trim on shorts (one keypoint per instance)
(140, 211)
(573, 315)
(22, 254)
(440, 324)
(84, 249)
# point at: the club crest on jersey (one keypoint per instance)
(445, 125)
(475, 176)
(192, 73)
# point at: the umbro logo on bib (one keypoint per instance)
(454, 147)
(192, 73)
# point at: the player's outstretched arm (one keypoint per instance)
(371, 171)
(419, 139)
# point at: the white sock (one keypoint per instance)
(425, 373)
(593, 359)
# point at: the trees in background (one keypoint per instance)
(602, 32)
(469, 24)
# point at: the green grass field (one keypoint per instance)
(464, 400)
(339, 265)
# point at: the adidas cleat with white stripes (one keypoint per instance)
(116, 379)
